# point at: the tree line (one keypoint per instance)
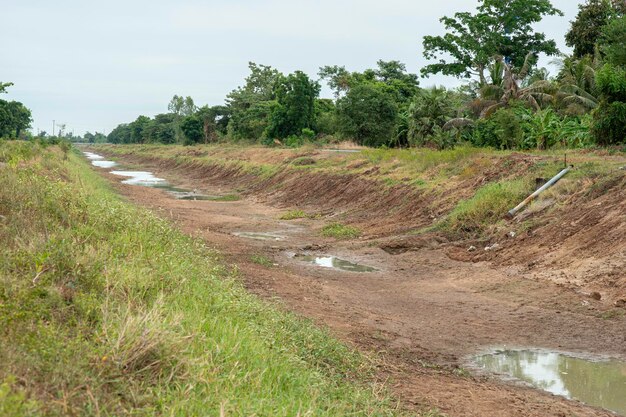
(506, 100)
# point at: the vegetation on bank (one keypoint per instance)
(106, 309)
(469, 188)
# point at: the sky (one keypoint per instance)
(92, 65)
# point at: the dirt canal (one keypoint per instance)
(427, 316)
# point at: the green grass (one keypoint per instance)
(105, 309)
(489, 205)
(293, 215)
(262, 260)
(340, 231)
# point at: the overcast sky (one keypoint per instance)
(93, 65)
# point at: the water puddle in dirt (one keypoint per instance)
(98, 160)
(259, 236)
(600, 383)
(335, 263)
(144, 178)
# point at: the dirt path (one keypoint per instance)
(423, 312)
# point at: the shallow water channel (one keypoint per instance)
(146, 179)
(334, 262)
(600, 383)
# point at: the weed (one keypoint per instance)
(340, 231)
(262, 260)
(488, 205)
(293, 215)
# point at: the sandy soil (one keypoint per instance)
(423, 312)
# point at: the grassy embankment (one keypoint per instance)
(106, 309)
(482, 184)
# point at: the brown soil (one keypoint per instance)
(431, 304)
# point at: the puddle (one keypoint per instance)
(98, 160)
(336, 263)
(597, 383)
(259, 236)
(93, 156)
(104, 164)
(144, 178)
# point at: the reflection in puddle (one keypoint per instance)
(98, 160)
(259, 236)
(104, 164)
(598, 383)
(336, 263)
(144, 178)
(93, 156)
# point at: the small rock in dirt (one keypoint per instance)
(471, 249)
(3, 165)
(621, 303)
(3, 218)
(596, 295)
(495, 246)
(511, 234)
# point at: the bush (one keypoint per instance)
(609, 127)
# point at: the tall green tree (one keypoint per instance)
(498, 28)
(587, 28)
(295, 105)
(368, 114)
(612, 42)
(250, 106)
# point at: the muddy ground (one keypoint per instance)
(425, 311)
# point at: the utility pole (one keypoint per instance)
(53, 125)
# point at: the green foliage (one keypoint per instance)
(428, 113)
(368, 115)
(499, 27)
(609, 126)
(612, 41)
(15, 118)
(520, 127)
(588, 26)
(295, 110)
(251, 105)
(262, 260)
(192, 128)
(340, 231)
(293, 215)
(611, 82)
(489, 204)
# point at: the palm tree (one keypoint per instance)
(577, 90)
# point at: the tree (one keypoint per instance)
(613, 40)
(586, 29)
(250, 106)
(181, 106)
(498, 28)
(14, 118)
(295, 109)
(192, 128)
(393, 74)
(368, 115)
(3, 87)
(431, 109)
(137, 129)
